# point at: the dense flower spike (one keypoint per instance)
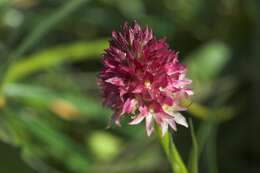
(143, 78)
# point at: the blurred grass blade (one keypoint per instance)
(172, 153)
(204, 132)
(53, 56)
(203, 113)
(68, 106)
(211, 150)
(196, 109)
(29, 129)
(194, 155)
(45, 25)
(58, 143)
(207, 137)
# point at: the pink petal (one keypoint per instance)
(172, 124)
(189, 92)
(147, 35)
(122, 92)
(172, 69)
(149, 124)
(141, 116)
(180, 119)
(131, 37)
(116, 119)
(115, 81)
(182, 83)
(178, 107)
(182, 75)
(164, 127)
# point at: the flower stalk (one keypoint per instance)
(172, 153)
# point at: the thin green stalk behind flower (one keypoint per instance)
(194, 156)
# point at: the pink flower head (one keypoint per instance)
(142, 77)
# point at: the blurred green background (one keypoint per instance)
(51, 116)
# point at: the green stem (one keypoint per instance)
(172, 153)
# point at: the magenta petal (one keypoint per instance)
(138, 89)
(122, 91)
(128, 106)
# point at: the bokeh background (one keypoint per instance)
(51, 116)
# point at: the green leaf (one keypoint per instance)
(202, 112)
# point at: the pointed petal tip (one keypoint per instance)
(149, 132)
(115, 81)
(186, 125)
(164, 128)
(149, 124)
(180, 119)
(117, 123)
(136, 121)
